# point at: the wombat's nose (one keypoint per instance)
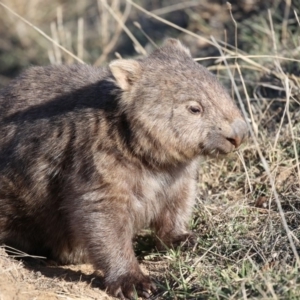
(238, 133)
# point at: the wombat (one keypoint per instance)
(89, 156)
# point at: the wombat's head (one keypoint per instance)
(177, 109)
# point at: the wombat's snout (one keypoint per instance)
(238, 133)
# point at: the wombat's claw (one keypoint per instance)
(119, 294)
(149, 292)
(132, 296)
(126, 291)
(189, 240)
(186, 240)
(146, 294)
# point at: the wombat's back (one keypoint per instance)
(46, 114)
(48, 85)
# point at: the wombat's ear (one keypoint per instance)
(176, 44)
(125, 71)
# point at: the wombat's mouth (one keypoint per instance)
(216, 153)
(220, 150)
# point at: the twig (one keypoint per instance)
(139, 47)
(175, 7)
(108, 48)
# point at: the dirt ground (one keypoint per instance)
(35, 279)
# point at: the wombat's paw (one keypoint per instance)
(132, 285)
(186, 240)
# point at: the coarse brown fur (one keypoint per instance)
(89, 156)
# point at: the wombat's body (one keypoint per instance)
(89, 156)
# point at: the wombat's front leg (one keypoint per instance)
(171, 226)
(107, 231)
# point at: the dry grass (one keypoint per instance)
(247, 215)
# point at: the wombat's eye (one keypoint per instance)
(194, 109)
